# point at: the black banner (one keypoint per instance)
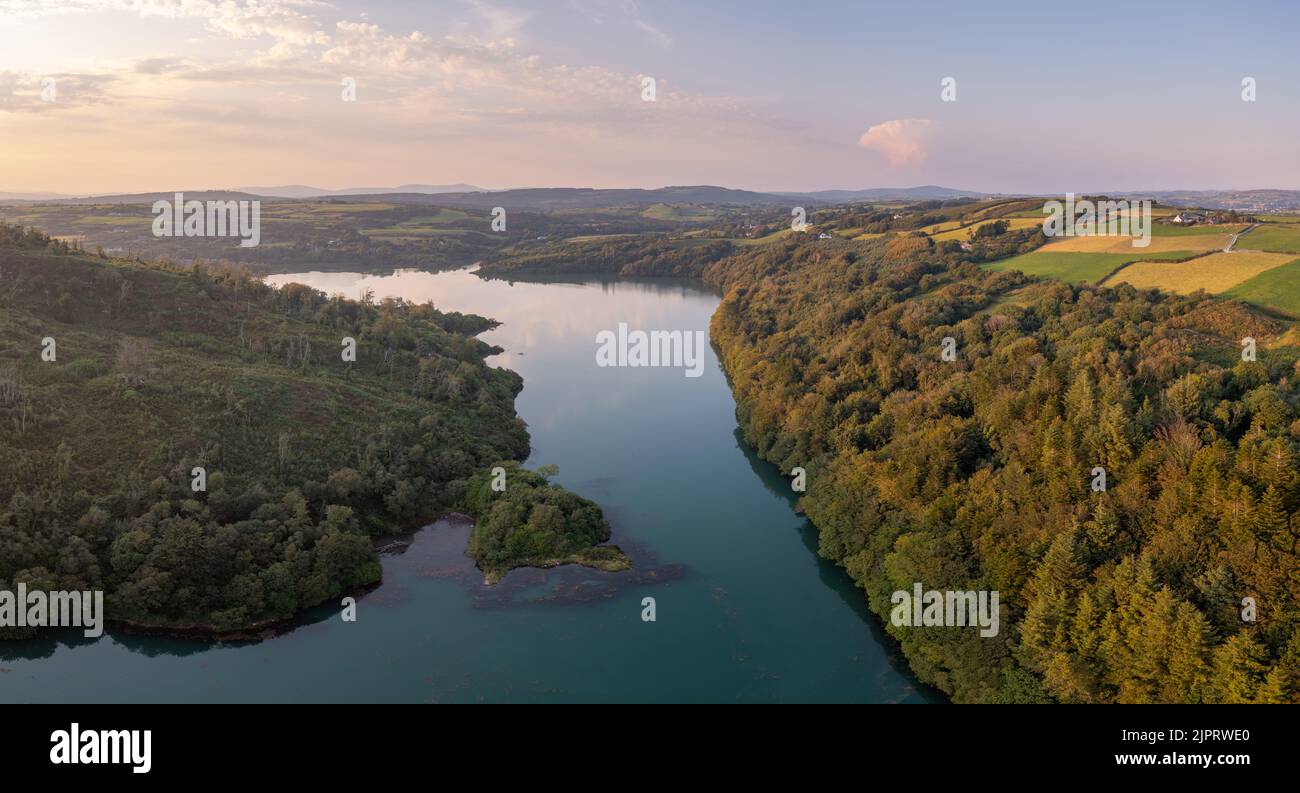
(145, 744)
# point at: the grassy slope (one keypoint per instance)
(1272, 237)
(1277, 289)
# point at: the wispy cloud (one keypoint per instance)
(624, 12)
(26, 93)
(282, 20)
(502, 24)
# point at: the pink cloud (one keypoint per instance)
(901, 141)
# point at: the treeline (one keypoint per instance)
(306, 456)
(623, 256)
(17, 236)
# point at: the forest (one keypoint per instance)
(1177, 582)
(195, 444)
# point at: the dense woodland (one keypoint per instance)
(977, 473)
(308, 458)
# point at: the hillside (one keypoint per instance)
(922, 193)
(308, 458)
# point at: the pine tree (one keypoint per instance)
(1271, 520)
(1239, 669)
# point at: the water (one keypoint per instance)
(745, 609)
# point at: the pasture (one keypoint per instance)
(1277, 289)
(1215, 273)
(1076, 267)
(1275, 237)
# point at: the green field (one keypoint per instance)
(679, 212)
(1175, 230)
(1272, 237)
(773, 237)
(963, 232)
(1077, 268)
(1277, 289)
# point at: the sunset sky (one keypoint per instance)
(191, 94)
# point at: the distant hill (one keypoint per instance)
(30, 196)
(289, 192)
(149, 198)
(927, 192)
(536, 198)
(539, 198)
(1240, 200)
(542, 198)
(307, 191)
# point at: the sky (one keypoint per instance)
(102, 96)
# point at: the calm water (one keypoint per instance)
(746, 611)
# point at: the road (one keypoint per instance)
(1233, 242)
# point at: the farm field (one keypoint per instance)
(962, 234)
(811, 232)
(679, 212)
(1075, 267)
(594, 237)
(1215, 273)
(1029, 207)
(1277, 289)
(1276, 237)
(937, 228)
(765, 239)
(1163, 239)
(1037, 212)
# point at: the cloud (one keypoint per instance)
(901, 141)
(661, 38)
(600, 11)
(22, 92)
(278, 19)
(454, 101)
(503, 24)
